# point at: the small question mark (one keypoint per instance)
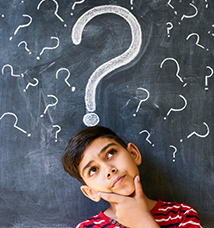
(56, 11)
(199, 135)
(178, 110)
(11, 70)
(178, 68)
(20, 129)
(208, 76)
(169, 28)
(197, 40)
(50, 105)
(206, 4)
(191, 16)
(169, 4)
(91, 118)
(59, 129)
(31, 84)
(26, 48)
(142, 100)
(49, 48)
(22, 26)
(66, 79)
(147, 138)
(174, 152)
(75, 3)
(131, 3)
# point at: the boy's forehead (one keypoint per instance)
(99, 144)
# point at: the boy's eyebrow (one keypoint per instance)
(101, 151)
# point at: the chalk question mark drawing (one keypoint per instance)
(16, 121)
(75, 3)
(56, 11)
(175, 151)
(170, 5)
(11, 70)
(22, 26)
(191, 16)
(169, 28)
(179, 109)
(142, 100)
(178, 68)
(31, 84)
(147, 138)
(131, 3)
(199, 135)
(206, 4)
(49, 48)
(50, 105)
(26, 48)
(197, 40)
(208, 76)
(91, 118)
(56, 134)
(66, 79)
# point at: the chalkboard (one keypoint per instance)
(142, 68)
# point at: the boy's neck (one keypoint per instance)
(111, 211)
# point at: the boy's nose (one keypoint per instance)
(111, 172)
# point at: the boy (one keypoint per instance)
(108, 169)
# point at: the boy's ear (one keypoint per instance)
(135, 153)
(87, 191)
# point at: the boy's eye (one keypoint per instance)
(110, 153)
(92, 171)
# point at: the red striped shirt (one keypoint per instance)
(166, 214)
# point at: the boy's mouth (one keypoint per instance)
(117, 181)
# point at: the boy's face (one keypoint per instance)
(108, 167)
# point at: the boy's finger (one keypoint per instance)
(110, 197)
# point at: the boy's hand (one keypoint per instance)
(131, 211)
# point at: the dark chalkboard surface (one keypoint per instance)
(142, 68)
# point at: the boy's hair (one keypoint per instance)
(77, 144)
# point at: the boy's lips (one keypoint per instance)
(117, 181)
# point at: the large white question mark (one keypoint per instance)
(197, 39)
(208, 76)
(50, 105)
(59, 129)
(66, 79)
(91, 118)
(147, 138)
(25, 44)
(191, 16)
(178, 68)
(56, 11)
(169, 28)
(15, 124)
(22, 26)
(142, 100)
(179, 109)
(49, 48)
(175, 151)
(31, 84)
(11, 71)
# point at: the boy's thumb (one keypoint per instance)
(138, 186)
